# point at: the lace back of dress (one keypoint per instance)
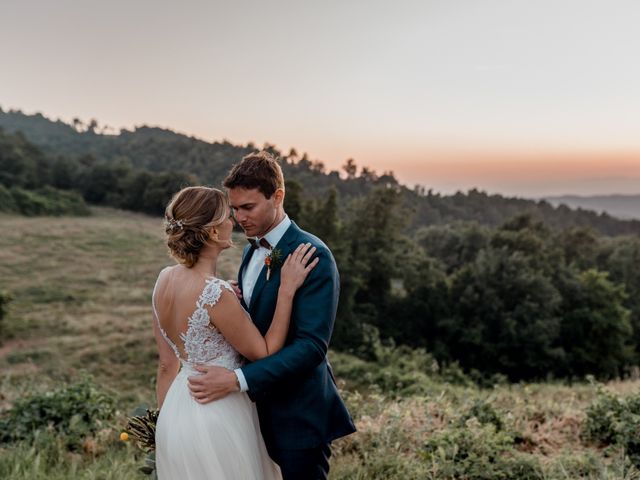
(203, 342)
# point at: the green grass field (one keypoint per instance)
(81, 291)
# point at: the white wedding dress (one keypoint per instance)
(218, 440)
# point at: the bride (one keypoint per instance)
(198, 320)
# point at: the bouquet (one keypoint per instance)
(141, 428)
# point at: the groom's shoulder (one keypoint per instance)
(307, 237)
(321, 248)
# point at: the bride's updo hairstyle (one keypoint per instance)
(188, 220)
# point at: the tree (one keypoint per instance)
(595, 331)
(419, 317)
(580, 245)
(92, 126)
(621, 258)
(102, 184)
(293, 200)
(455, 245)
(365, 250)
(304, 163)
(64, 173)
(22, 164)
(505, 316)
(350, 168)
(134, 187)
(317, 166)
(292, 157)
(326, 222)
(368, 175)
(161, 188)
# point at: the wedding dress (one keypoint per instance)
(217, 440)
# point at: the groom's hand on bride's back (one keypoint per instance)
(214, 383)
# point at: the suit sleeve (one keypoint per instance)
(313, 316)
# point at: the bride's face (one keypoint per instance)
(224, 231)
(253, 211)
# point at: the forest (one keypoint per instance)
(493, 285)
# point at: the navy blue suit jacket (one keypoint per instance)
(294, 390)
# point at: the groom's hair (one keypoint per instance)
(259, 170)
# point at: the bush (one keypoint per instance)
(48, 201)
(7, 204)
(484, 413)
(397, 372)
(615, 421)
(479, 445)
(46, 457)
(474, 451)
(585, 465)
(72, 412)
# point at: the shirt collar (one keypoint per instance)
(276, 234)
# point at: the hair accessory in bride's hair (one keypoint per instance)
(173, 224)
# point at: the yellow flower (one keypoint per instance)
(124, 436)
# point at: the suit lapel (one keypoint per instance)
(245, 259)
(284, 245)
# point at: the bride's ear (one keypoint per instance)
(213, 233)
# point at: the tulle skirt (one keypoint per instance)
(219, 440)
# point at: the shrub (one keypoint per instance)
(397, 372)
(64, 202)
(474, 451)
(46, 201)
(479, 445)
(46, 457)
(73, 412)
(615, 421)
(483, 411)
(7, 204)
(29, 202)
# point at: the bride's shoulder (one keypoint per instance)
(166, 271)
(215, 290)
(225, 284)
(219, 283)
(165, 274)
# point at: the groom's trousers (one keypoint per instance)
(306, 464)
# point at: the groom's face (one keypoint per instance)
(254, 212)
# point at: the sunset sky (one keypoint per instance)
(528, 98)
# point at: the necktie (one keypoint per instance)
(262, 243)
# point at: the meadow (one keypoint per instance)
(78, 326)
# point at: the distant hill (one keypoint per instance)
(159, 150)
(621, 206)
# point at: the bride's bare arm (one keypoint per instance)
(238, 329)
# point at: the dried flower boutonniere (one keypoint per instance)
(272, 260)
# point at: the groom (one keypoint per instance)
(298, 403)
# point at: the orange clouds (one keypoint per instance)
(517, 166)
(515, 172)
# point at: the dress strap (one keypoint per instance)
(212, 291)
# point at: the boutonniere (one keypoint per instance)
(272, 260)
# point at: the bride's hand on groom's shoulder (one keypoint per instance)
(236, 288)
(214, 383)
(297, 266)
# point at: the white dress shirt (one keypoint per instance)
(256, 263)
(252, 271)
